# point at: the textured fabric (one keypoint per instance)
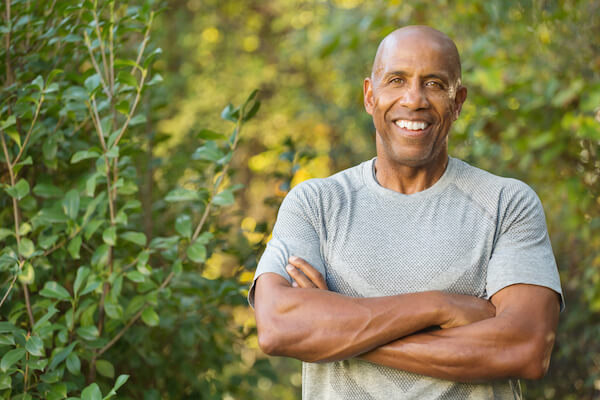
(471, 233)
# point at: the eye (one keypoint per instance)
(434, 84)
(396, 80)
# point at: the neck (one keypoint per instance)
(408, 179)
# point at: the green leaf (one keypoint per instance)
(88, 332)
(26, 248)
(252, 112)
(20, 190)
(135, 276)
(91, 285)
(183, 225)
(84, 155)
(7, 340)
(152, 56)
(181, 194)
(207, 134)
(11, 357)
(70, 203)
(110, 236)
(73, 364)
(92, 83)
(58, 391)
(137, 120)
(120, 381)
(156, 79)
(74, 247)
(39, 82)
(51, 216)
(27, 275)
(61, 354)
(8, 122)
(230, 113)
(7, 327)
(14, 135)
(45, 318)
(225, 198)
(177, 267)
(54, 290)
(47, 190)
(91, 392)
(4, 233)
(120, 63)
(5, 381)
(35, 346)
(209, 152)
(105, 369)
(82, 274)
(123, 107)
(127, 79)
(135, 237)
(113, 309)
(197, 252)
(150, 317)
(90, 184)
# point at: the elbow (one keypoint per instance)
(536, 361)
(268, 343)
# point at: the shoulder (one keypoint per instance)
(493, 191)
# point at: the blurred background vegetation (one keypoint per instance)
(533, 112)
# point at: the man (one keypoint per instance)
(383, 255)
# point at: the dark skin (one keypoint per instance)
(414, 94)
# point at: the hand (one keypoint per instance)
(305, 275)
(463, 310)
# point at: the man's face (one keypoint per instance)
(414, 96)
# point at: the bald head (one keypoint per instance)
(418, 36)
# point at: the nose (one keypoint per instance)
(414, 97)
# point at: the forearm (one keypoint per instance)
(318, 325)
(515, 344)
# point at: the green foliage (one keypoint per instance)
(86, 283)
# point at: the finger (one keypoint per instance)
(299, 277)
(315, 276)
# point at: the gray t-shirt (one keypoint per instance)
(471, 233)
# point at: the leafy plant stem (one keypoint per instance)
(9, 77)
(102, 48)
(9, 289)
(88, 44)
(28, 136)
(144, 73)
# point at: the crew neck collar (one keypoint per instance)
(371, 181)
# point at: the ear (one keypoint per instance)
(459, 99)
(368, 95)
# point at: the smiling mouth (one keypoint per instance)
(411, 125)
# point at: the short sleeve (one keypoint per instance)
(298, 231)
(522, 252)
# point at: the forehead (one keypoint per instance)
(416, 54)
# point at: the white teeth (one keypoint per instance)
(411, 125)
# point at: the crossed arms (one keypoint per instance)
(509, 337)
